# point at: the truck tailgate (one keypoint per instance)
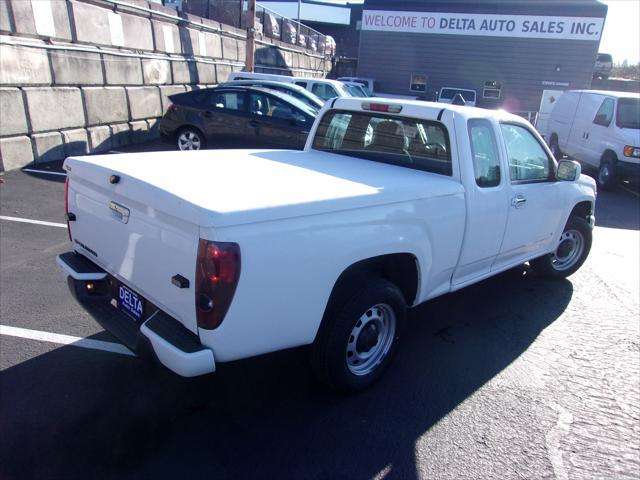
(128, 228)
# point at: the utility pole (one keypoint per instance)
(251, 37)
(299, 9)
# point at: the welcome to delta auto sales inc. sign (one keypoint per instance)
(527, 26)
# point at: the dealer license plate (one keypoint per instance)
(130, 302)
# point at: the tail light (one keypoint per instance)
(217, 274)
(171, 107)
(66, 206)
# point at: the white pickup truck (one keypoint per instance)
(212, 256)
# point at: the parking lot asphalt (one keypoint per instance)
(516, 377)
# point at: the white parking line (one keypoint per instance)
(47, 172)
(65, 340)
(35, 222)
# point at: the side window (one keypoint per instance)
(528, 161)
(258, 104)
(228, 100)
(280, 109)
(323, 91)
(267, 106)
(302, 84)
(605, 113)
(486, 162)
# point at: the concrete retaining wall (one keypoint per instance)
(85, 76)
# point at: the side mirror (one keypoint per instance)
(568, 170)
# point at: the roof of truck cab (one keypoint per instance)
(422, 109)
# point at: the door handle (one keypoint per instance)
(518, 201)
(587, 136)
(207, 114)
(253, 124)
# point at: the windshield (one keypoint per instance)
(628, 113)
(356, 91)
(449, 93)
(298, 96)
(407, 142)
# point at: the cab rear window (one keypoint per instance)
(412, 143)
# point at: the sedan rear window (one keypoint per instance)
(412, 143)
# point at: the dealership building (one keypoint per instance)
(515, 54)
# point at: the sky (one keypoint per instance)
(621, 35)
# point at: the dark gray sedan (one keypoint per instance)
(236, 117)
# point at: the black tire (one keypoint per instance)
(190, 138)
(607, 175)
(564, 261)
(555, 148)
(336, 350)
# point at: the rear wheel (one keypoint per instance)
(359, 337)
(570, 253)
(607, 172)
(190, 138)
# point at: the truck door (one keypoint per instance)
(532, 197)
(486, 207)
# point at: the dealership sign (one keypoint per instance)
(525, 26)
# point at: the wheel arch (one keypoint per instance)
(583, 209)
(401, 269)
(186, 126)
(609, 153)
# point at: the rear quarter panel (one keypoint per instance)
(289, 267)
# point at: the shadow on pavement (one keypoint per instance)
(619, 208)
(72, 411)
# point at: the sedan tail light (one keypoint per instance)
(217, 275)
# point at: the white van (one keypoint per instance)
(322, 87)
(600, 129)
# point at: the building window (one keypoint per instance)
(418, 83)
(492, 90)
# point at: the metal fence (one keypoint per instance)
(269, 24)
(278, 27)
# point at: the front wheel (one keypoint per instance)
(358, 338)
(607, 173)
(570, 253)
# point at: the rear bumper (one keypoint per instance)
(158, 336)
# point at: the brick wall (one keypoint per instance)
(81, 77)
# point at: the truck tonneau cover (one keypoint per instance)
(232, 187)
